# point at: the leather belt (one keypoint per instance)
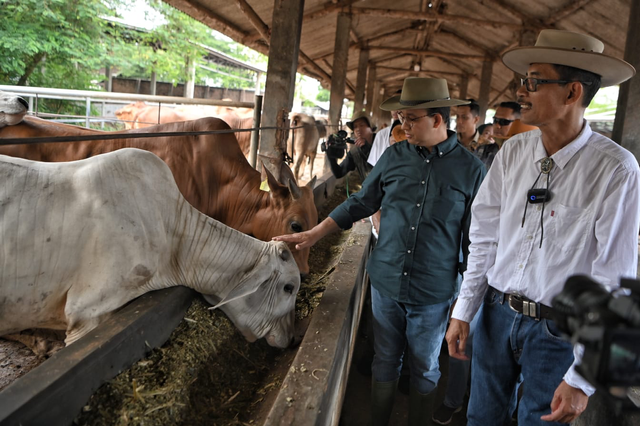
(530, 308)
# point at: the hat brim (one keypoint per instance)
(350, 123)
(612, 70)
(394, 104)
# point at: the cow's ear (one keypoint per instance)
(249, 284)
(275, 188)
(312, 182)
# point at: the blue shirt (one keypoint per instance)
(425, 199)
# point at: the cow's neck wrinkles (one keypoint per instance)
(208, 256)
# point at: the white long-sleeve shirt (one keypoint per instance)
(590, 224)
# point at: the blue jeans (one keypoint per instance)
(398, 325)
(507, 344)
(459, 372)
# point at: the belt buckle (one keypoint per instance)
(513, 297)
(528, 307)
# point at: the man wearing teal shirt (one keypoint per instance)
(424, 187)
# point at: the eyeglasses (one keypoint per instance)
(502, 121)
(411, 121)
(531, 84)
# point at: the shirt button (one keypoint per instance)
(418, 205)
(408, 251)
(413, 228)
(538, 208)
(423, 182)
(440, 154)
(427, 161)
(529, 237)
(404, 273)
(519, 266)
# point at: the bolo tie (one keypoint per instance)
(546, 164)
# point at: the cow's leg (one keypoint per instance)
(312, 159)
(43, 343)
(299, 161)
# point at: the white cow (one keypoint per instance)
(81, 239)
(12, 109)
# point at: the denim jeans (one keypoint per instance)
(459, 372)
(396, 326)
(507, 344)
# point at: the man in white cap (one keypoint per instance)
(425, 186)
(583, 219)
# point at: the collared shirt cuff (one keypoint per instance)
(573, 378)
(464, 310)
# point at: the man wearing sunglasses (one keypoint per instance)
(506, 114)
(557, 201)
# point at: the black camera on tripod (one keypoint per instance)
(608, 325)
(336, 144)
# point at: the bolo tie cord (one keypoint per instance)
(524, 215)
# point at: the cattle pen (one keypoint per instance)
(311, 393)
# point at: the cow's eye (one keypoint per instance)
(289, 288)
(296, 227)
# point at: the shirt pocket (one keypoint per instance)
(569, 227)
(449, 205)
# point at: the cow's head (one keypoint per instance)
(12, 109)
(263, 303)
(291, 209)
(127, 114)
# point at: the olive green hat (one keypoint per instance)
(421, 92)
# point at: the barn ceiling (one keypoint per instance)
(441, 38)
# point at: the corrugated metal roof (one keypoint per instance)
(446, 39)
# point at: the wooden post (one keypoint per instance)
(626, 127)
(361, 82)
(109, 77)
(464, 86)
(255, 135)
(371, 82)
(485, 88)
(286, 26)
(190, 85)
(154, 77)
(339, 73)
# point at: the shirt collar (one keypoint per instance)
(446, 146)
(563, 156)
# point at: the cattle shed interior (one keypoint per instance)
(451, 39)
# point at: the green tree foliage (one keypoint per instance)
(55, 43)
(323, 95)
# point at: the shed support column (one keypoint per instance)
(485, 88)
(339, 74)
(464, 86)
(361, 83)
(154, 80)
(626, 128)
(190, 85)
(286, 26)
(371, 82)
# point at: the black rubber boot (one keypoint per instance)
(420, 407)
(383, 395)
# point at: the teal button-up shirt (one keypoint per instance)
(424, 227)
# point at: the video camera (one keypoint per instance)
(336, 144)
(608, 325)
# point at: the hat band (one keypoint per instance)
(412, 103)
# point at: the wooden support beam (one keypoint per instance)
(361, 82)
(384, 68)
(255, 20)
(485, 88)
(371, 82)
(500, 93)
(339, 69)
(567, 10)
(464, 86)
(430, 16)
(469, 42)
(430, 53)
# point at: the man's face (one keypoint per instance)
(466, 122)
(419, 128)
(547, 102)
(361, 129)
(502, 121)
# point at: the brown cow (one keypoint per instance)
(306, 141)
(140, 115)
(210, 171)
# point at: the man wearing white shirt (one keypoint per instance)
(582, 217)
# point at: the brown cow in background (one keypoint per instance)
(139, 115)
(306, 141)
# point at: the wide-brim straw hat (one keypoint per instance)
(357, 116)
(572, 49)
(421, 92)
